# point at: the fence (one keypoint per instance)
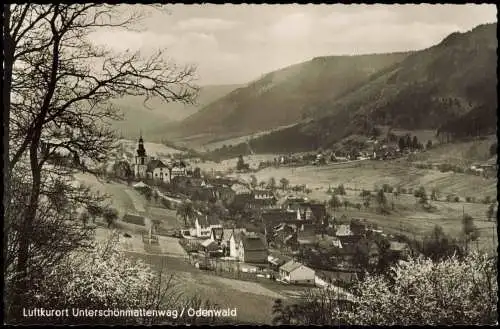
(150, 239)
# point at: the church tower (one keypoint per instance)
(140, 165)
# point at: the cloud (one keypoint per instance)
(358, 17)
(291, 27)
(205, 24)
(121, 40)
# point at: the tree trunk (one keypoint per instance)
(8, 62)
(21, 283)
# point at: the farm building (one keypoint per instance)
(296, 273)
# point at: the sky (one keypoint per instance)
(236, 44)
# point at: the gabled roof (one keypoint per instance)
(237, 235)
(291, 266)
(218, 233)
(318, 210)
(207, 243)
(253, 243)
(154, 164)
(207, 220)
(226, 235)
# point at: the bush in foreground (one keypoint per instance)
(419, 292)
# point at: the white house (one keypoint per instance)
(343, 230)
(178, 169)
(158, 171)
(204, 225)
(296, 273)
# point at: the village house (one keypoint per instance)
(252, 249)
(209, 246)
(239, 188)
(277, 260)
(248, 247)
(224, 240)
(296, 273)
(217, 234)
(178, 168)
(204, 225)
(231, 238)
(400, 250)
(270, 218)
(343, 230)
(314, 212)
(262, 199)
(157, 171)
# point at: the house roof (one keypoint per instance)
(398, 246)
(242, 199)
(207, 243)
(253, 243)
(277, 259)
(263, 202)
(134, 219)
(237, 235)
(277, 215)
(154, 164)
(318, 210)
(218, 233)
(226, 235)
(207, 220)
(291, 266)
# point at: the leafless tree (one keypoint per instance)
(58, 91)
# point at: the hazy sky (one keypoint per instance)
(238, 43)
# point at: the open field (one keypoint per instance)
(154, 149)
(119, 197)
(457, 153)
(368, 174)
(252, 300)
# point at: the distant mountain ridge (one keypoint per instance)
(449, 87)
(285, 96)
(158, 116)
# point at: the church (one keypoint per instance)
(150, 168)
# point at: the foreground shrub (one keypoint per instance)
(417, 292)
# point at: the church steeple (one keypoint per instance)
(141, 151)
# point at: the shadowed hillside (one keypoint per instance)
(284, 97)
(450, 88)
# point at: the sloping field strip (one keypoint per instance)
(138, 205)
